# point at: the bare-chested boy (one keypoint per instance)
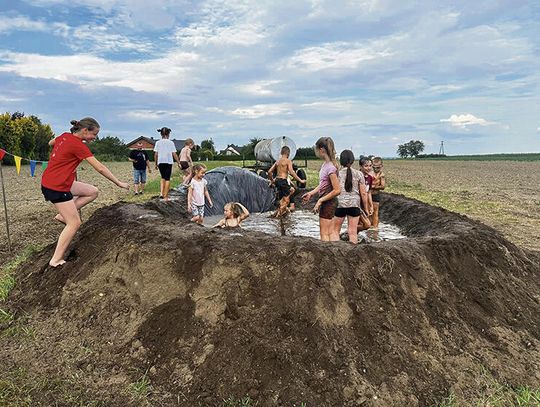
(283, 168)
(377, 185)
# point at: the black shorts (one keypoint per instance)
(165, 170)
(342, 212)
(56, 196)
(327, 210)
(376, 197)
(184, 165)
(283, 187)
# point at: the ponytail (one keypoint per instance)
(346, 159)
(86, 123)
(164, 131)
(328, 145)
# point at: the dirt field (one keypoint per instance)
(501, 194)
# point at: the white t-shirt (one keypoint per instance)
(165, 148)
(198, 191)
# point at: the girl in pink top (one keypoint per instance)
(328, 189)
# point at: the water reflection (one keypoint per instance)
(305, 223)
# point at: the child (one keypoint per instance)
(234, 213)
(186, 163)
(58, 183)
(367, 207)
(164, 153)
(196, 193)
(328, 189)
(351, 183)
(378, 185)
(283, 168)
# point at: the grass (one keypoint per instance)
(492, 393)
(141, 389)
(18, 388)
(7, 277)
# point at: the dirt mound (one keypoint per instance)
(211, 314)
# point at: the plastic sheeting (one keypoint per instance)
(234, 184)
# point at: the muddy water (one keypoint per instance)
(305, 223)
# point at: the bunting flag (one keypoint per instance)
(17, 163)
(32, 167)
(17, 159)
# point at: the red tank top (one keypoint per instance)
(67, 154)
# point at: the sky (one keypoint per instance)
(371, 74)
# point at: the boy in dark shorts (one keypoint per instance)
(283, 167)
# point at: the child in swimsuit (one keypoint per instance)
(377, 185)
(283, 167)
(367, 203)
(234, 213)
(186, 163)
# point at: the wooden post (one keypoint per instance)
(5, 207)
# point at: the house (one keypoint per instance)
(148, 143)
(231, 150)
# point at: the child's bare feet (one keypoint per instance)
(53, 263)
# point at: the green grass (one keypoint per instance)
(141, 389)
(492, 393)
(7, 277)
(18, 388)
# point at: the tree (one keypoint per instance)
(410, 149)
(208, 145)
(109, 149)
(248, 150)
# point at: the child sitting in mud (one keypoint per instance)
(377, 185)
(197, 191)
(283, 167)
(186, 162)
(234, 213)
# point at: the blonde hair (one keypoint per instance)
(189, 141)
(235, 209)
(86, 123)
(198, 167)
(327, 144)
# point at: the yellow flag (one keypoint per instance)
(17, 163)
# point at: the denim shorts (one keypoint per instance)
(139, 176)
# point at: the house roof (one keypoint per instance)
(179, 144)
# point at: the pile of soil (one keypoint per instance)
(209, 314)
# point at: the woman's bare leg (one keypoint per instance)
(328, 233)
(70, 214)
(338, 222)
(375, 222)
(352, 228)
(166, 187)
(83, 194)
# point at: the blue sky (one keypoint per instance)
(371, 74)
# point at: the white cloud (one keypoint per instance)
(257, 111)
(337, 56)
(260, 88)
(21, 23)
(156, 75)
(464, 120)
(144, 115)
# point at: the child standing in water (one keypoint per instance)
(328, 189)
(283, 168)
(377, 185)
(186, 162)
(234, 213)
(58, 181)
(351, 183)
(367, 207)
(197, 192)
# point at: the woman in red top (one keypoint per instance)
(58, 181)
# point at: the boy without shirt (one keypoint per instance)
(379, 183)
(283, 168)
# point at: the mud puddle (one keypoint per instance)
(306, 223)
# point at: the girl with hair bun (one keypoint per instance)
(58, 183)
(164, 153)
(328, 189)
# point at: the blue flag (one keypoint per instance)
(32, 167)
